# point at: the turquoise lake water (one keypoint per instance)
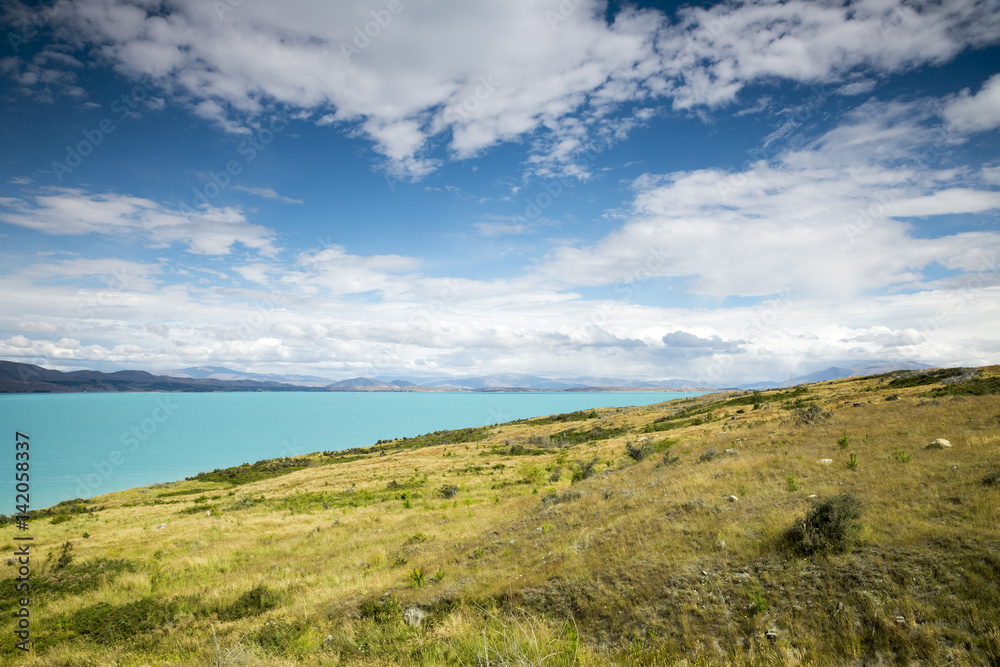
(84, 445)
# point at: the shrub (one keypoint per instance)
(65, 556)
(582, 471)
(448, 491)
(829, 526)
(709, 455)
(638, 452)
(381, 611)
(811, 415)
(992, 478)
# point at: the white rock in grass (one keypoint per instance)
(939, 443)
(413, 616)
(826, 462)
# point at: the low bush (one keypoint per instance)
(638, 452)
(830, 526)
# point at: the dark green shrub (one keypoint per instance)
(638, 452)
(829, 526)
(110, 624)
(381, 611)
(709, 455)
(582, 471)
(448, 491)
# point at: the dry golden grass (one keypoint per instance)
(642, 563)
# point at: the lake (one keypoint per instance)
(84, 445)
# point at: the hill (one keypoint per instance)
(811, 525)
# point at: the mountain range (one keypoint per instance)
(28, 378)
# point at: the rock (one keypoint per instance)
(826, 462)
(939, 443)
(413, 615)
(900, 620)
(721, 544)
(733, 499)
(893, 397)
(772, 634)
(161, 526)
(731, 451)
(859, 404)
(812, 495)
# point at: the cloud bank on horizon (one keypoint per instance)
(564, 188)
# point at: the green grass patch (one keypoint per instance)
(902, 379)
(254, 602)
(579, 416)
(72, 579)
(979, 386)
(108, 624)
(574, 437)
(252, 472)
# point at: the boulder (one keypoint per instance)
(413, 615)
(826, 462)
(939, 443)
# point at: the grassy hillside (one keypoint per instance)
(669, 534)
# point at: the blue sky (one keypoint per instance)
(712, 191)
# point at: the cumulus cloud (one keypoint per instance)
(498, 72)
(816, 222)
(976, 113)
(684, 339)
(72, 211)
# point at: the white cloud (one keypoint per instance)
(269, 193)
(944, 202)
(69, 211)
(976, 113)
(816, 221)
(712, 53)
(478, 74)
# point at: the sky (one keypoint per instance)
(721, 192)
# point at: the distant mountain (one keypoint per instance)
(27, 378)
(537, 383)
(228, 374)
(855, 369)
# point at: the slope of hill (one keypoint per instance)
(652, 535)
